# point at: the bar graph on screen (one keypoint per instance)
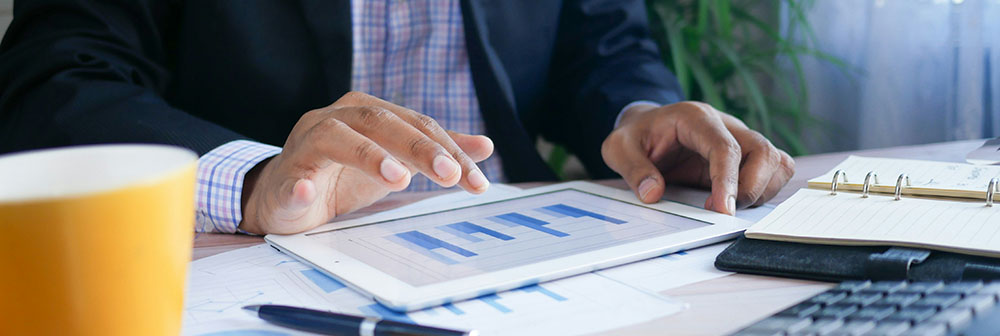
(487, 237)
(465, 230)
(515, 219)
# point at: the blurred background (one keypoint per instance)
(830, 75)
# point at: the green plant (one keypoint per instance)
(734, 56)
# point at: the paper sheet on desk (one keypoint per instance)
(221, 284)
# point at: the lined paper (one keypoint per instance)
(930, 178)
(816, 216)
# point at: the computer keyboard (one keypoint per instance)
(890, 308)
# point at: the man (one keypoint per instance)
(233, 79)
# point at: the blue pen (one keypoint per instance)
(328, 323)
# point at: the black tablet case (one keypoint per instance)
(839, 263)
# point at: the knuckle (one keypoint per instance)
(753, 194)
(700, 108)
(352, 96)
(313, 113)
(611, 143)
(758, 140)
(426, 123)
(420, 145)
(774, 159)
(788, 164)
(328, 125)
(732, 149)
(365, 151)
(772, 153)
(371, 116)
(689, 104)
(731, 179)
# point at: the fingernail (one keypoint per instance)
(444, 167)
(731, 205)
(392, 171)
(645, 187)
(477, 180)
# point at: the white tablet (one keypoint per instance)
(495, 244)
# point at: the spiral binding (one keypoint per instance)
(899, 185)
(868, 179)
(871, 178)
(990, 190)
(833, 185)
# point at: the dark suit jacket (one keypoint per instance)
(201, 73)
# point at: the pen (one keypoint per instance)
(328, 323)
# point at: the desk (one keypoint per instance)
(717, 306)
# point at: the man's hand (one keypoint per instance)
(692, 143)
(347, 155)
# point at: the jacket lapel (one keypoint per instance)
(330, 23)
(496, 100)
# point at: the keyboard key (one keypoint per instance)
(852, 286)
(979, 303)
(925, 308)
(992, 288)
(899, 299)
(955, 318)
(854, 328)
(886, 286)
(759, 333)
(837, 310)
(939, 300)
(963, 288)
(862, 299)
(823, 326)
(873, 313)
(828, 298)
(913, 314)
(801, 310)
(779, 324)
(928, 329)
(889, 328)
(922, 287)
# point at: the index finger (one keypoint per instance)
(471, 178)
(700, 129)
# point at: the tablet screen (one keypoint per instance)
(457, 243)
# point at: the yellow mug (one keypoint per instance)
(95, 240)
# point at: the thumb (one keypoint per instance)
(626, 157)
(300, 195)
(293, 198)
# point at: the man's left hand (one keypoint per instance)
(692, 143)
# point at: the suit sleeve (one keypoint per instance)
(93, 71)
(605, 59)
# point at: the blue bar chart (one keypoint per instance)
(515, 219)
(465, 230)
(565, 210)
(426, 245)
(483, 238)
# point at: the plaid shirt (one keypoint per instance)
(411, 53)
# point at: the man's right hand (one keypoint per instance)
(348, 155)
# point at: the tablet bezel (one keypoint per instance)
(401, 296)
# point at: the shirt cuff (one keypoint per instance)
(220, 183)
(630, 105)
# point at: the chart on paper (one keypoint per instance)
(220, 285)
(448, 245)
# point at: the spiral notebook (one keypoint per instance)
(877, 201)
